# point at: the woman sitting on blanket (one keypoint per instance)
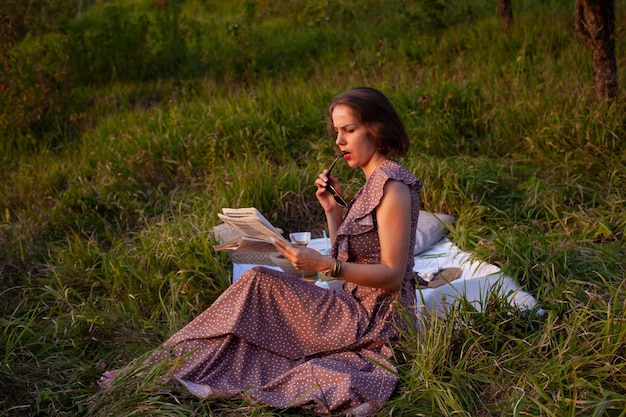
(287, 343)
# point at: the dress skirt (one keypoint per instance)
(287, 343)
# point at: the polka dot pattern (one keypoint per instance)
(287, 343)
(357, 237)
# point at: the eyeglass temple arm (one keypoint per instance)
(333, 164)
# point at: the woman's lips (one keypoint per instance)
(346, 155)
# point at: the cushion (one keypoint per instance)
(431, 228)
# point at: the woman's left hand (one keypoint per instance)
(302, 258)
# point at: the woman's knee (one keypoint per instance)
(255, 274)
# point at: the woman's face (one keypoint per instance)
(352, 138)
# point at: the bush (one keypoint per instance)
(36, 98)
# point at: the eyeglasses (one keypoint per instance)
(338, 198)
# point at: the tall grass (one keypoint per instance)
(107, 203)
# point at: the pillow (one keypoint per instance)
(431, 228)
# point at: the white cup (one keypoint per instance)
(300, 238)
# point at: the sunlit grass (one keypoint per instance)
(105, 240)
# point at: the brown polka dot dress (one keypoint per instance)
(288, 343)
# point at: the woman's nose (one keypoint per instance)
(339, 140)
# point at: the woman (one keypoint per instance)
(285, 342)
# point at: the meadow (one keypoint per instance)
(128, 125)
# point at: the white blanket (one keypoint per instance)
(477, 283)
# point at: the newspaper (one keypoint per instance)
(255, 231)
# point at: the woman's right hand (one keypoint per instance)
(326, 199)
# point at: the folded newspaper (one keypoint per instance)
(255, 232)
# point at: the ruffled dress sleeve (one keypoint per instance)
(357, 237)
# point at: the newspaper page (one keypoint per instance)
(256, 232)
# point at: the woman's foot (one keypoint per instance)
(107, 378)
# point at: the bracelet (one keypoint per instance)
(335, 271)
(337, 268)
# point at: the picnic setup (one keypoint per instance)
(435, 255)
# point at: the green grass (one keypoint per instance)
(111, 181)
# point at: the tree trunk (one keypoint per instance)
(595, 26)
(506, 12)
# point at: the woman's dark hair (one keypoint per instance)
(374, 110)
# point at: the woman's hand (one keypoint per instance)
(334, 212)
(326, 199)
(304, 259)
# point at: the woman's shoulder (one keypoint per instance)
(394, 170)
(370, 195)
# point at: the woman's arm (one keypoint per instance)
(333, 220)
(394, 227)
(334, 213)
(393, 216)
